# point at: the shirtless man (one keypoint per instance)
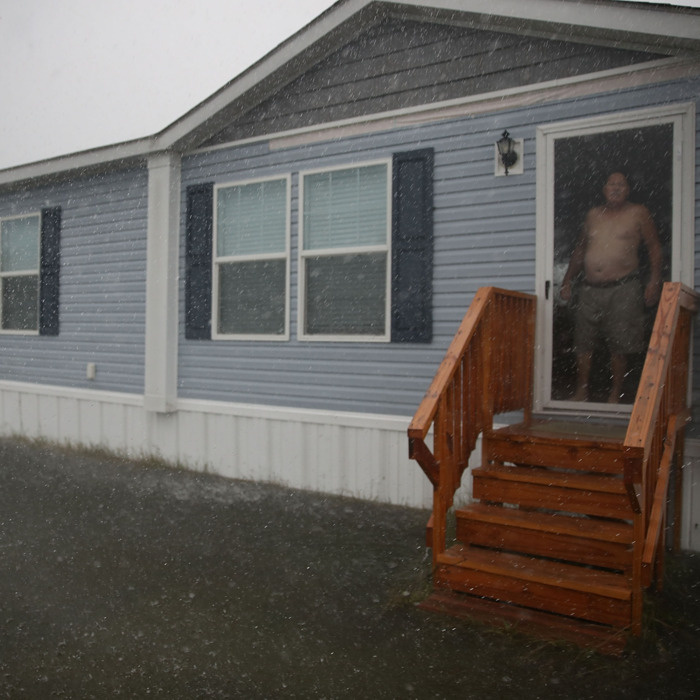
(611, 298)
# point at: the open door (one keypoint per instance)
(653, 148)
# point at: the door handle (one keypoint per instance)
(547, 284)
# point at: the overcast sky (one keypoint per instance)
(77, 74)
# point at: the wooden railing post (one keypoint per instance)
(487, 355)
(678, 488)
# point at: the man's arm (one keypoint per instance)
(575, 265)
(650, 238)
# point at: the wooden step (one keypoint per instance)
(554, 587)
(536, 623)
(548, 444)
(560, 490)
(594, 542)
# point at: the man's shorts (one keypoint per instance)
(616, 312)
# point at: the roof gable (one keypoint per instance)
(400, 63)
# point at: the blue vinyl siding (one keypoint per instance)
(478, 241)
(102, 285)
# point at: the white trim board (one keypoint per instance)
(162, 247)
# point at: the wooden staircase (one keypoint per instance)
(563, 532)
(552, 532)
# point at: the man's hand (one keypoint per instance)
(652, 292)
(565, 291)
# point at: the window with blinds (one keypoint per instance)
(251, 260)
(345, 253)
(19, 273)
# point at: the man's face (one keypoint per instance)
(616, 189)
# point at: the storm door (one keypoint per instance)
(575, 161)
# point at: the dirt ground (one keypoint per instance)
(122, 578)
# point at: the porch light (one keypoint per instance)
(506, 150)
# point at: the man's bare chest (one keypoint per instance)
(613, 233)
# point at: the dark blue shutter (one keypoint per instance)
(412, 247)
(198, 258)
(49, 270)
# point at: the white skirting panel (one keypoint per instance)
(690, 520)
(364, 456)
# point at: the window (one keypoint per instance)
(251, 268)
(345, 253)
(30, 265)
(365, 254)
(19, 273)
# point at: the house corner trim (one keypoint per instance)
(160, 382)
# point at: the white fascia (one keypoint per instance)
(128, 152)
(620, 18)
(160, 385)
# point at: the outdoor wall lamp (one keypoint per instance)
(506, 150)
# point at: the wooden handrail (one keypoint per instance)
(487, 370)
(424, 415)
(472, 321)
(660, 411)
(674, 298)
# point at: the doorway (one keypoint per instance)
(575, 161)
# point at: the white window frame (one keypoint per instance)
(218, 260)
(384, 337)
(23, 273)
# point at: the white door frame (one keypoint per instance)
(682, 116)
